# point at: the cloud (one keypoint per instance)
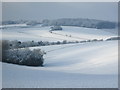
(54, 10)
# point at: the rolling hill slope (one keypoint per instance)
(86, 65)
(81, 65)
(68, 33)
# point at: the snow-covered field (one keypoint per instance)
(87, 65)
(42, 33)
(81, 65)
(87, 58)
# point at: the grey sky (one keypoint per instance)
(51, 10)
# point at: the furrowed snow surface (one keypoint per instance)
(89, 65)
(82, 65)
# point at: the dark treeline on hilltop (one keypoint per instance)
(79, 22)
(88, 23)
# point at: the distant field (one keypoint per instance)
(68, 33)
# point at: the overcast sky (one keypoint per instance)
(50, 10)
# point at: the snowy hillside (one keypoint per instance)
(88, 58)
(86, 65)
(78, 65)
(68, 33)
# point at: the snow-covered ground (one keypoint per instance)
(87, 58)
(12, 25)
(89, 65)
(81, 65)
(68, 33)
(15, 76)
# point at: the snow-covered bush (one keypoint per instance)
(5, 44)
(94, 40)
(113, 38)
(100, 40)
(56, 28)
(83, 41)
(24, 57)
(58, 42)
(88, 41)
(64, 42)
